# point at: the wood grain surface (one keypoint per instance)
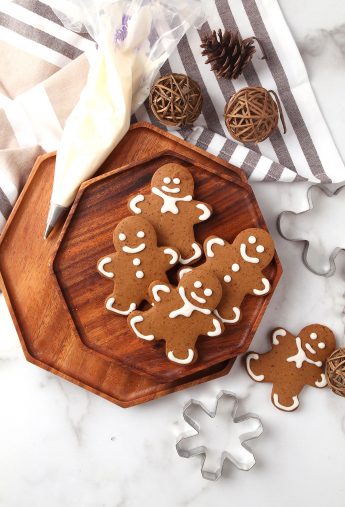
(87, 236)
(46, 328)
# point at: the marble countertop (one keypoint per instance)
(62, 446)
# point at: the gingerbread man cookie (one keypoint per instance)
(137, 262)
(293, 363)
(238, 267)
(180, 314)
(172, 210)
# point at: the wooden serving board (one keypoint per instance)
(87, 236)
(45, 327)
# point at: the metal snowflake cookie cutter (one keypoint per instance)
(320, 227)
(220, 435)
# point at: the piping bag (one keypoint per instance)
(134, 38)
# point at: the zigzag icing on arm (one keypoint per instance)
(322, 382)
(100, 267)
(133, 204)
(159, 288)
(172, 253)
(210, 243)
(265, 290)
(206, 213)
(277, 333)
(217, 328)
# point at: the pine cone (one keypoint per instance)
(227, 53)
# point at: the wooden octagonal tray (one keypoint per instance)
(87, 236)
(45, 327)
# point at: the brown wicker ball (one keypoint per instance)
(176, 100)
(251, 114)
(335, 371)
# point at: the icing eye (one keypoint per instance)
(321, 345)
(176, 181)
(260, 249)
(252, 240)
(141, 234)
(235, 267)
(166, 180)
(208, 292)
(227, 278)
(313, 336)
(197, 284)
(122, 236)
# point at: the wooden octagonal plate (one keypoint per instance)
(87, 236)
(47, 332)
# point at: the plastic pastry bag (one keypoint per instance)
(134, 38)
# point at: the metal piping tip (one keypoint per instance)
(55, 212)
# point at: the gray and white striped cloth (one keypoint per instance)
(43, 68)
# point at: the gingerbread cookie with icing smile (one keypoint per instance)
(179, 315)
(173, 212)
(137, 262)
(239, 267)
(293, 362)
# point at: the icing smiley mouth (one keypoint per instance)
(310, 348)
(137, 249)
(198, 298)
(169, 190)
(246, 257)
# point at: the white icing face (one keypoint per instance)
(133, 235)
(174, 180)
(317, 342)
(201, 288)
(172, 189)
(255, 247)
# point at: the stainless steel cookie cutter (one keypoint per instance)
(220, 435)
(323, 241)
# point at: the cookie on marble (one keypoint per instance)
(136, 263)
(292, 363)
(173, 212)
(179, 315)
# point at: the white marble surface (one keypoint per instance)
(62, 446)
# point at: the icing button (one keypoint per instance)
(235, 267)
(136, 261)
(139, 274)
(227, 278)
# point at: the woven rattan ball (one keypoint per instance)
(335, 371)
(251, 114)
(176, 100)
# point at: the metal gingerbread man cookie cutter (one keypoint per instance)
(220, 435)
(323, 241)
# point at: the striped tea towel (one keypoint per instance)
(43, 69)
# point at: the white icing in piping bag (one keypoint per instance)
(120, 75)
